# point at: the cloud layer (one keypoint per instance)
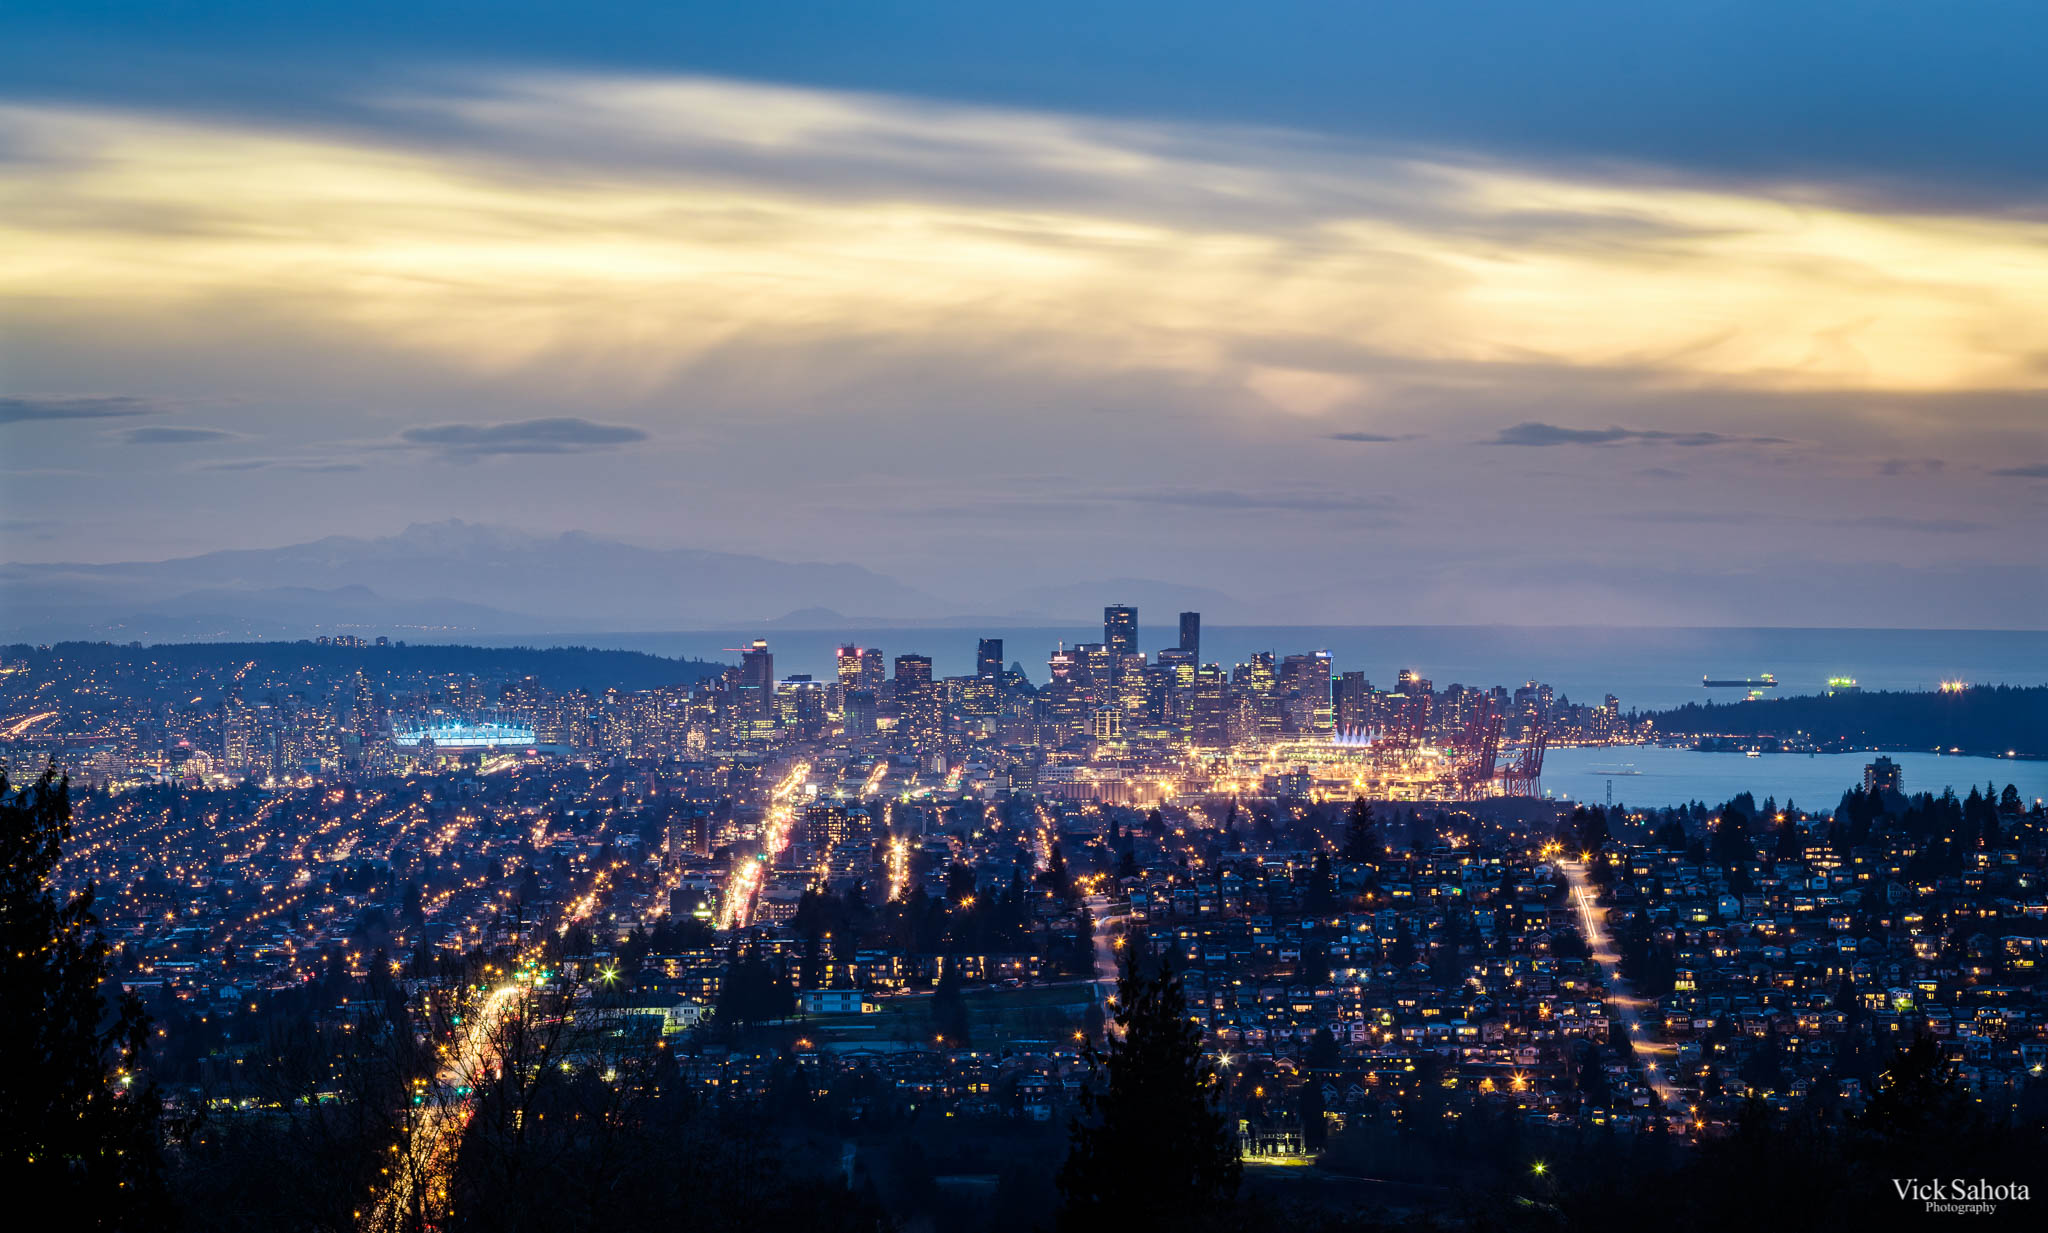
(1538, 434)
(174, 435)
(567, 435)
(985, 347)
(635, 224)
(22, 408)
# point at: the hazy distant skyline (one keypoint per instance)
(1584, 314)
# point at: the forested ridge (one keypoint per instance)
(1986, 719)
(558, 668)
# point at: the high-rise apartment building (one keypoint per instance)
(1305, 683)
(241, 737)
(917, 700)
(1094, 668)
(916, 669)
(1120, 631)
(365, 718)
(859, 712)
(988, 658)
(1209, 718)
(1132, 691)
(1353, 704)
(800, 703)
(826, 826)
(1256, 675)
(1417, 701)
(756, 700)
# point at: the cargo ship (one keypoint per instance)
(1766, 681)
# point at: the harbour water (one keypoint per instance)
(1650, 775)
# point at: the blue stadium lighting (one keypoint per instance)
(458, 734)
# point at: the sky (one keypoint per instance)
(1690, 313)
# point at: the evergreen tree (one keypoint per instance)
(1309, 1107)
(1915, 1101)
(1590, 827)
(949, 1008)
(1323, 1052)
(1320, 896)
(79, 1131)
(1401, 950)
(1055, 877)
(1593, 1086)
(1791, 841)
(1083, 960)
(1152, 1149)
(1361, 836)
(1731, 838)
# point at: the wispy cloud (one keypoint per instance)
(21, 408)
(2032, 470)
(1230, 499)
(1688, 517)
(485, 224)
(313, 466)
(1751, 517)
(563, 435)
(1910, 466)
(1534, 433)
(1372, 437)
(166, 434)
(1920, 526)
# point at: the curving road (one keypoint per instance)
(1105, 914)
(429, 1155)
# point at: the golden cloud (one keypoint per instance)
(626, 228)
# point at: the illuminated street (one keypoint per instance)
(1654, 1056)
(426, 1158)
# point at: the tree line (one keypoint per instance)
(1985, 719)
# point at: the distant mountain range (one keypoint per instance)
(1160, 603)
(447, 579)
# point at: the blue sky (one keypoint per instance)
(1551, 311)
(1907, 98)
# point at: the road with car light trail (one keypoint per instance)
(1656, 1056)
(737, 911)
(419, 1175)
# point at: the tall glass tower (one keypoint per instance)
(1120, 631)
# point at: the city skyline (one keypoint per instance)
(895, 293)
(915, 618)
